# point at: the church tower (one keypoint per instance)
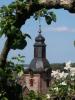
(40, 66)
(39, 62)
(38, 75)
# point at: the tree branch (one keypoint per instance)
(49, 4)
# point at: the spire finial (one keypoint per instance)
(39, 26)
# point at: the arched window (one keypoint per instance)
(31, 82)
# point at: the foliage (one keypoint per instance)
(8, 25)
(8, 86)
(8, 79)
(63, 84)
(49, 16)
(8, 15)
(34, 96)
(19, 65)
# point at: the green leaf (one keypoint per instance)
(19, 44)
(53, 16)
(48, 19)
(19, 41)
(1, 33)
(27, 35)
(1, 72)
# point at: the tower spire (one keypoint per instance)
(40, 25)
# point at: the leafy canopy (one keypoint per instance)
(49, 16)
(9, 25)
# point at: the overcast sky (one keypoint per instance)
(59, 37)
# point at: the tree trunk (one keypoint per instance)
(5, 52)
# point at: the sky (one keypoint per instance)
(59, 37)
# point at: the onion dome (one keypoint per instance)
(39, 38)
(38, 65)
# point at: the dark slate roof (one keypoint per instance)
(39, 64)
(40, 38)
(39, 44)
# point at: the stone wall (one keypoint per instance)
(36, 82)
